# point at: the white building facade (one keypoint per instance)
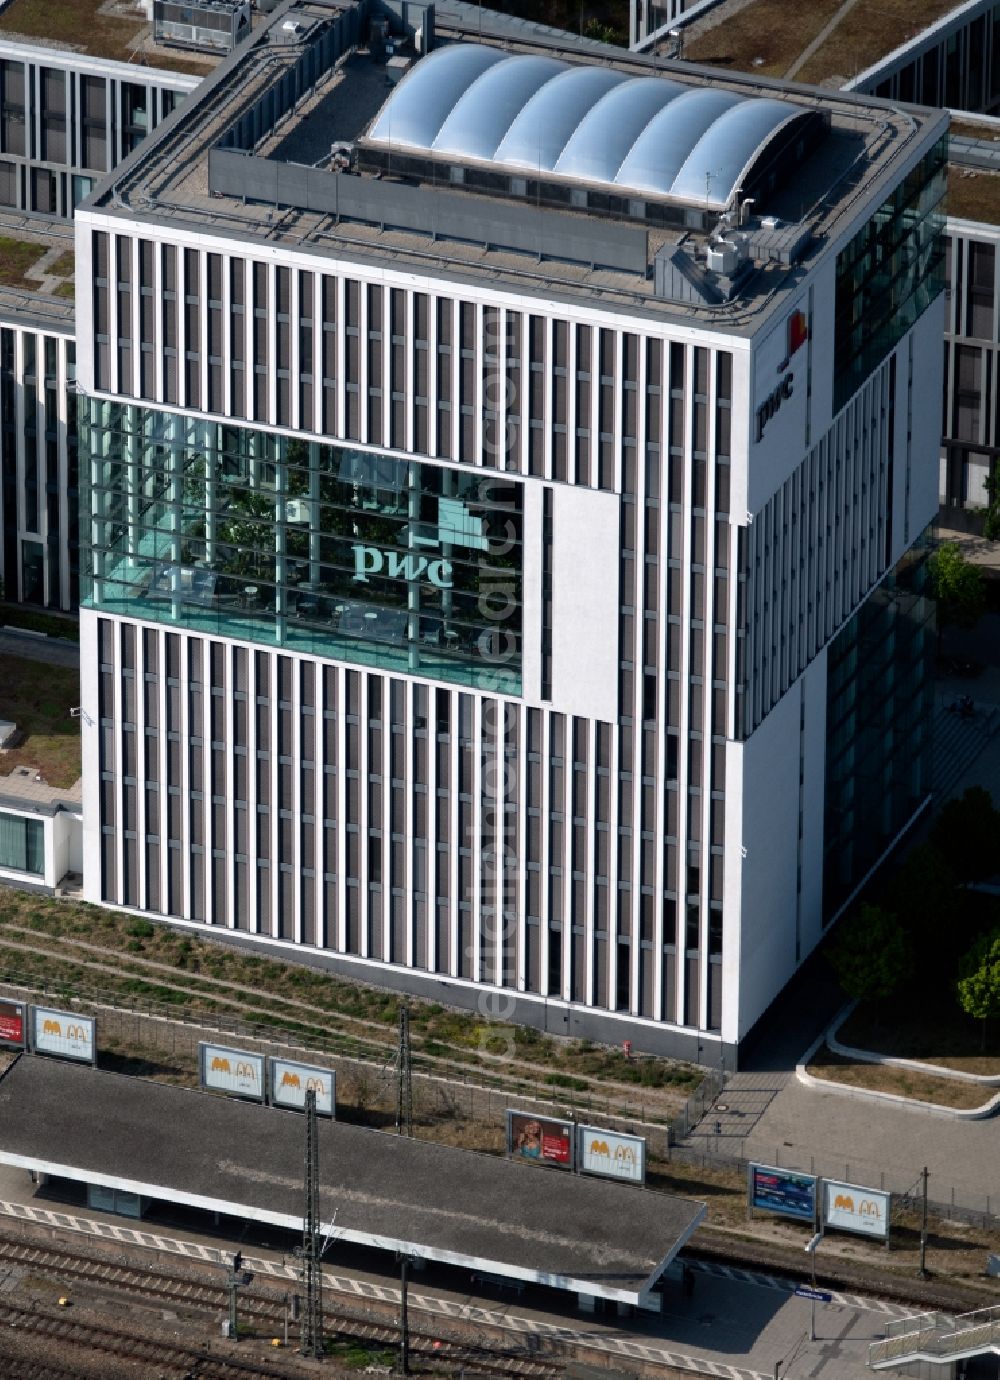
(499, 641)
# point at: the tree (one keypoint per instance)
(923, 894)
(991, 522)
(978, 985)
(958, 587)
(872, 955)
(967, 832)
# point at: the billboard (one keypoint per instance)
(234, 1071)
(846, 1207)
(63, 1033)
(611, 1154)
(290, 1082)
(13, 1025)
(540, 1139)
(782, 1191)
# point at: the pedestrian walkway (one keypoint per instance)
(961, 737)
(733, 1324)
(883, 1307)
(839, 1137)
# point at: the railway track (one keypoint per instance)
(166, 1358)
(262, 1308)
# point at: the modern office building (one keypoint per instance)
(503, 528)
(971, 430)
(930, 52)
(67, 119)
(652, 20)
(940, 54)
(38, 469)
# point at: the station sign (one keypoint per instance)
(611, 1154)
(66, 1034)
(782, 1191)
(235, 1071)
(864, 1211)
(805, 1291)
(289, 1083)
(13, 1024)
(540, 1139)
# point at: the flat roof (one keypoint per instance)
(23, 789)
(775, 38)
(94, 28)
(974, 171)
(267, 191)
(457, 1206)
(37, 267)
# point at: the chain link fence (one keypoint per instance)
(705, 1148)
(127, 1023)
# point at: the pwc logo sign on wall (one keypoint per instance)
(456, 527)
(66, 1034)
(794, 336)
(864, 1211)
(236, 1071)
(290, 1082)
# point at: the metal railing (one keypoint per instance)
(937, 1336)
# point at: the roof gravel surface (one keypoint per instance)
(432, 1200)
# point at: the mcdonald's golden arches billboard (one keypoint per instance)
(290, 1082)
(611, 1154)
(865, 1211)
(66, 1034)
(235, 1071)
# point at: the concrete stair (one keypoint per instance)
(937, 1338)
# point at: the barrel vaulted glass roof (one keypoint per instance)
(647, 135)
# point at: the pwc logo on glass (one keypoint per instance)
(456, 526)
(796, 335)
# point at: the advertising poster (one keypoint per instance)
(865, 1211)
(12, 1024)
(611, 1154)
(783, 1191)
(234, 1071)
(290, 1082)
(540, 1139)
(63, 1033)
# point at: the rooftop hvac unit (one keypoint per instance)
(341, 155)
(722, 257)
(206, 25)
(398, 66)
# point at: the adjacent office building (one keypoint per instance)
(949, 57)
(503, 529)
(67, 119)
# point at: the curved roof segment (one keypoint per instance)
(415, 111)
(646, 135)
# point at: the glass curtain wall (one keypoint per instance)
(879, 714)
(889, 274)
(357, 555)
(22, 844)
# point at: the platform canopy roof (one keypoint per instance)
(432, 1201)
(649, 136)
